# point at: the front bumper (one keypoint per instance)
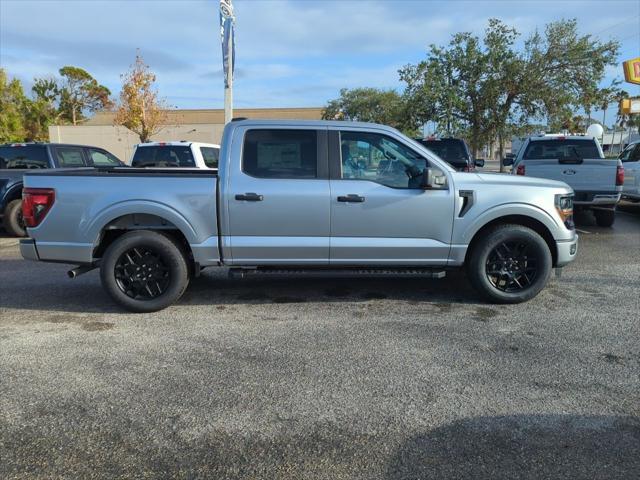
(567, 251)
(28, 249)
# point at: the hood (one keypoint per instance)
(515, 180)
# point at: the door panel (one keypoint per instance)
(391, 226)
(378, 217)
(278, 198)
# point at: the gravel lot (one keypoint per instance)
(314, 378)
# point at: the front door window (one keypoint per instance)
(380, 159)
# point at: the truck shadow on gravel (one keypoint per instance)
(217, 289)
(525, 447)
(38, 286)
(506, 447)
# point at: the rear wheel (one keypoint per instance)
(509, 264)
(13, 221)
(605, 218)
(144, 271)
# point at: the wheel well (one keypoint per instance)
(126, 223)
(13, 194)
(523, 220)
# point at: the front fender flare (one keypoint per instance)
(505, 210)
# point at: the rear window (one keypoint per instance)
(280, 153)
(449, 150)
(211, 156)
(558, 149)
(163, 156)
(27, 157)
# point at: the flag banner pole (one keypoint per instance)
(227, 34)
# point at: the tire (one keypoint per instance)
(605, 218)
(12, 221)
(144, 271)
(532, 266)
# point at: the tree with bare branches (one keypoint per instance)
(140, 110)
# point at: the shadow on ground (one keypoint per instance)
(214, 287)
(523, 446)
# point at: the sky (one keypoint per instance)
(295, 53)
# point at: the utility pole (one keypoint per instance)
(227, 23)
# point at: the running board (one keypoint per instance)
(337, 272)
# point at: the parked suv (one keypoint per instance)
(579, 162)
(454, 151)
(176, 154)
(630, 158)
(17, 158)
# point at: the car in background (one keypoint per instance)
(18, 158)
(630, 158)
(454, 151)
(578, 161)
(176, 155)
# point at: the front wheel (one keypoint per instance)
(605, 218)
(13, 221)
(144, 271)
(509, 264)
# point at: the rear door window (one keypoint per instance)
(280, 154)
(23, 157)
(211, 156)
(69, 157)
(102, 158)
(169, 156)
(558, 149)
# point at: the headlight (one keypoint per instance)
(564, 206)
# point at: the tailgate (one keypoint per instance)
(589, 174)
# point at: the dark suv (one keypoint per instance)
(17, 158)
(454, 151)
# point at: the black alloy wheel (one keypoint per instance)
(141, 274)
(144, 270)
(512, 266)
(509, 263)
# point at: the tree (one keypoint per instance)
(12, 100)
(42, 110)
(140, 110)
(490, 87)
(371, 105)
(81, 93)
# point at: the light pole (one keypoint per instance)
(227, 21)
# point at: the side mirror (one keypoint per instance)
(507, 161)
(431, 180)
(479, 162)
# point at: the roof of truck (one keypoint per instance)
(179, 142)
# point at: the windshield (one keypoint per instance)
(560, 148)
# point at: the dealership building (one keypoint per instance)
(204, 125)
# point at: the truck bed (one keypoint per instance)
(185, 199)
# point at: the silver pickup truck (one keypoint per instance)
(295, 197)
(579, 162)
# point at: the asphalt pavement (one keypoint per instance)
(326, 378)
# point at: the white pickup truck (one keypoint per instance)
(579, 162)
(176, 154)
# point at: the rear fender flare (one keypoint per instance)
(94, 228)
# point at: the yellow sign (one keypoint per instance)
(632, 70)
